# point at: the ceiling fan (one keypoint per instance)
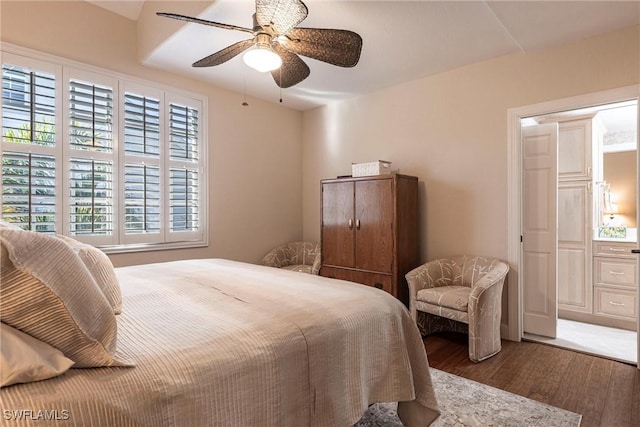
(277, 42)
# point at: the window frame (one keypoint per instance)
(119, 241)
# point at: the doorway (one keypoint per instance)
(580, 190)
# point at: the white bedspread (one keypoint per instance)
(223, 343)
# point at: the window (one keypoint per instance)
(184, 175)
(28, 190)
(142, 199)
(29, 156)
(144, 161)
(108, 160)
(89, 148)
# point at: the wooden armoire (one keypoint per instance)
(370, 232)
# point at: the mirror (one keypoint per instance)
(619, 165)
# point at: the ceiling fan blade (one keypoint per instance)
(292, 71)
(280, 15)
(337, 47)
(225, 54)
(204, 22)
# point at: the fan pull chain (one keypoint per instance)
(280, 85)
(244, 102)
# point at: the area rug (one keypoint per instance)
(467, 403)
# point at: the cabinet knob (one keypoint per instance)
(378, 285)
(350, 224)
(357, 224)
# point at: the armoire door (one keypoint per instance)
(338, 224)
(374, 225)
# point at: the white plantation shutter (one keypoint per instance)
(30, 154)
(142, 199)
(91, 173)
(185, 190)
(184, 195)
(142, 138)
(183, 135)
(90, 116)
(90, 197)
(28, 101)
(29, 191)
(111, 161)
(141, 125)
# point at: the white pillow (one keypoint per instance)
(101, 268)
(48, 293)
(24, 359)
(8, 225)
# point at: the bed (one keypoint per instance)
(213, 342)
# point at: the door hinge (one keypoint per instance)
(521, 238)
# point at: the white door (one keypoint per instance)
(637, 250)
(539, 229)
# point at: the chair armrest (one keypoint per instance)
(487, 288)
(315, 269)
(276, 257)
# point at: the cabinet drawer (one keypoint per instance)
(615, 272)
(380, 281)
(616, 303)
(615, 249)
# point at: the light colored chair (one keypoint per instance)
(461, 294)
(303, 257)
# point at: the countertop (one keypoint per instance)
(631, 237)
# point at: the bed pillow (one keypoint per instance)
(24, 359)
(4, 225)
(48, 293)
(101, 268)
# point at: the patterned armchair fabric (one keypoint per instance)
(463, 294)
(303, 257)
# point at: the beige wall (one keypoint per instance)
(255, 155)
(620, 173)
(450, 130)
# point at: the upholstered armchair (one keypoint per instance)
(461, 294)
(303, 257)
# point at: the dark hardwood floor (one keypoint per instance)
(605, 392)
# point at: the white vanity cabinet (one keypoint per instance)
(615, 283)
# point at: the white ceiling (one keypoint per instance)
(402, 40)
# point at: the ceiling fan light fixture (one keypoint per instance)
(262, 58)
